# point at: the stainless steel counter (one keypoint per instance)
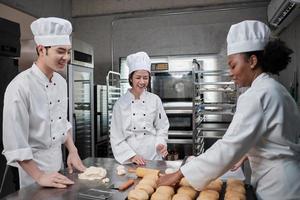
(35, 192)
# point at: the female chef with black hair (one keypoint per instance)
(139, 125)
(266, 125)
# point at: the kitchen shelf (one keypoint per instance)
(214, 104)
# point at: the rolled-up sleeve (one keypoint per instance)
(16, 126)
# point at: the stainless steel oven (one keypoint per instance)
(173, 86)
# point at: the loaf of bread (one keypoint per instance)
(232, 195)
(138, 194)
(181, 196)
(232, 181)
(236, 188)
(188, 191)
(214, 185)
(145, 187)
(184, 182)
(150, 182)
(160, 196)
(208, 195)
(141, 171)
(165, 190)
(151, 176)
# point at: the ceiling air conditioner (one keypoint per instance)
(281, 13)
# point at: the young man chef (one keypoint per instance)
(35, 111)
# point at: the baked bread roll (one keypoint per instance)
(138, 194)
(141, 171)
(145, 187)
(232, 195)
(165, 190)
(214, 185)
(184, 182)
(151, 176)
(181, 196)
(236, 188)
(232, 181)
(208, 195)
(160, 196)
(187, 190)
(150, 182)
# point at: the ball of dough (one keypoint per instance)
(165, 190)
(214, 185)
(184, 182)
(208, 195)
(150, 182)
(181, 196)
(145, 187)
(188, 191)
(138, 194)
(160, 196)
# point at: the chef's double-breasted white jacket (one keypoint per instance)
(266, 125)
(35, 121)
(137, 126)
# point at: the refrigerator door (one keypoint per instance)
(81, 108)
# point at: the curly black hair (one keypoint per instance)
(274, 58)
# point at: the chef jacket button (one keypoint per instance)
(54, 83)
(63, 134)
(144, 114)
(51, 120)
(143, 101)
(59, 118)
(132, 102)
(46, 86)
(133, 114)
(144, 133)
(53, 138)
(50, 102)
(58, 100)
(134, 128)
(144, 127)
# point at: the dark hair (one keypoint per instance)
(37, 52)
(131, 75)
(274, 58)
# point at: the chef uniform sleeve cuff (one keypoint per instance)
(69, 126)
(127, 159)
(160, 140)
(188, 174)
(18, 155)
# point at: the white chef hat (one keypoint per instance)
(247, 36)
(51, 31)
(138, 61)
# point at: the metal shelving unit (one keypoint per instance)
(113, 94)
(214, 105)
